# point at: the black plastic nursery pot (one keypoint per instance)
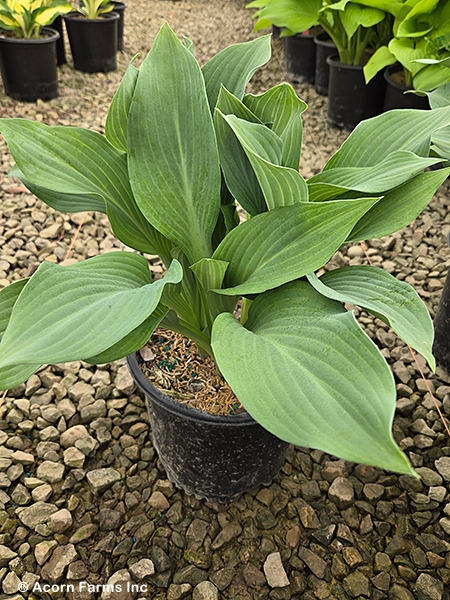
(325, 47)
(28, 66)
(350, 99)
(119, 8)
(215, 457)
(60, 48)
(276, 32)
(395, 96)
(441, 344)
(300, 58)
(93, 42)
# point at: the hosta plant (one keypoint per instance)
(184, 146)
(26, 18)
(356, 28)
(420, 43)
(93, 9)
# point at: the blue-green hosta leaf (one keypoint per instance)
(210, 274)
(281, 245)
(399, 207)
(79, 311)
(404, 129)
(440, 98)
(8, 297)
(238, 173)
(395, 169)
(117, 118)
(441, 143)
(70, 163)
(311, 376)
(280, 108)
(281, 186)
(12, 375)
(441, 138)
(394, 301)
(234, 66)
(318, 192)
(57, 200)
(172, 151)
(133, 341)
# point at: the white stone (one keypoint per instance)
(274, 571)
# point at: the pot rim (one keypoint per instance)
(188, 412)
(52, 37)
(72, 16)
(333, 61)
(323, 39)
(387, 73)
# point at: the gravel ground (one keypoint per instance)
(83, 499)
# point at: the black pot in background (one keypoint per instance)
(215, 457)
(395, 96)
(119, 8)
(276, 32)
(28, 66)
(325, 47)
(350, 99)
(441, 343)
(60, 50)
(300, 58)
(93, 42)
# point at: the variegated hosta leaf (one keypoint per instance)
(53, 160)
(117, 118)
(281, 186)
(283, 244)
(398, 207)
(233, 67)
(280, 108)
(394, 301)
(402, 129)
(79, 311)
(172, 152)
(311, 376)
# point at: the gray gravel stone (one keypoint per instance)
(6, 555)
(60, 521)
(50, 471)
(36, 514)
(341, 492)
(274, 571)
(141, 569)
(443, 467)
(205, 591)
(102, 479)
(55, 568)
(429, 588)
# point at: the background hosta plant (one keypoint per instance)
(92, 9)
(182, 144)
(356, 27)
(420, 43)
(26, 18)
